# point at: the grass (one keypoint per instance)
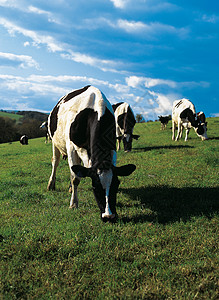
(164, 245)
(10, 115)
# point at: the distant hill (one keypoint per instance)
(14, 124)
(33, 115)
(17, 115)
(13, 116)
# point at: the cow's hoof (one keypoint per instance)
(75, 205)
(110, 220)
(108, 217)
(51, 187)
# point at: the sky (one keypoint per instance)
(144, 52)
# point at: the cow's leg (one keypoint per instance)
(173, 130)
(187, 133)
(73, 159)
(55, 163)
(179, 132)
(118, 144)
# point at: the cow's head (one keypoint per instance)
(201, 131)
(127, 140)
(105, 186)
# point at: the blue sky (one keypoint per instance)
(145, 52)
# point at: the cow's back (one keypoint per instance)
(71, 114)
(179, 106)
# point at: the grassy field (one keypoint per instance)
(10, 115)
(164, 245)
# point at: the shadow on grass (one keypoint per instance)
(144, 149)
(214, 138)
(170, 205)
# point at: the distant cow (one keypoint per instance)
(184, 116)
(24, 140)
(45, 125)
(202, 119)
(164, 121)
(125, 122)
(82, 127)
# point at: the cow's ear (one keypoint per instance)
(81, 171)
(125, 170)
(136, 137)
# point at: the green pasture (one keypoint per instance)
(10, 115)
(163, 246)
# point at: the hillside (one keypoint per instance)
(15, 124)
(163, 246)
(12, 116)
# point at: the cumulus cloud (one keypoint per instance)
(135, 81)
(24, 61)
(119, 3)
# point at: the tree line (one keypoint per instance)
(29, 124)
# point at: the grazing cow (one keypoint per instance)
(82, 127)
(125, 122)
(202, 119)
(164, 121)
(184, 116)
(24, 140)
(45, 125)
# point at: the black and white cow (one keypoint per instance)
(202, 119)
(45, 125)
(184, 116)
(24, 140)
(82, 127)
(125, 122)
(164, 121)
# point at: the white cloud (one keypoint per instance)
(38, 39)
(210, 19)
(102, 64)
(141, 82)
(135, 81)
(132, 26)
(151, 29)
(24, 61)
(33, 9)
(120, 3)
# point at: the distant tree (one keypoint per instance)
(33, 115)
(8, 130)
(31, 128)
(139, 118)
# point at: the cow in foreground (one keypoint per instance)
(184, 116)
(125, 122)
(24, 140)
(82, 127)
(164, 121)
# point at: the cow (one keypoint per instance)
(125, 122)
(24, 140)
(202, 119)
(184, 116)
(45, 125)
(82, 127)
(164, 121)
